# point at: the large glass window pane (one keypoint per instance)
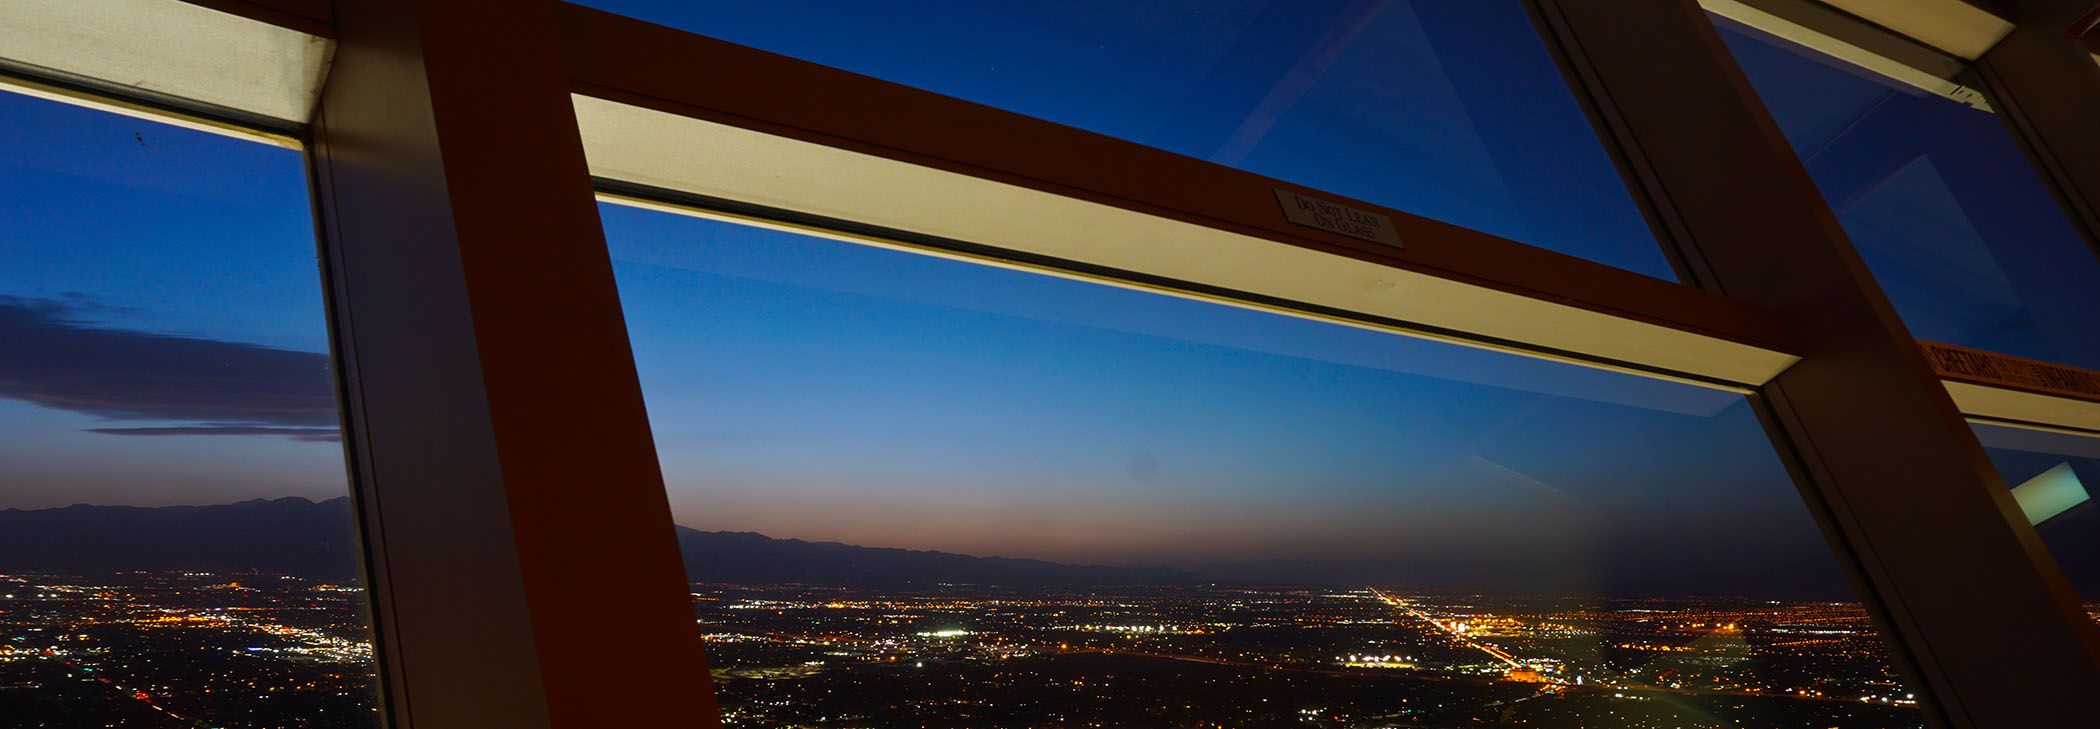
(2053, 476)
(922, 492)
(1452, 110)
(1961, 232)
(176, 541)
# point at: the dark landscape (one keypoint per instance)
(249, 615)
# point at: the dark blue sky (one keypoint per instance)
(1451, 109)
(820, 389)
(1941, 202)
(154, 277)
(161, 331)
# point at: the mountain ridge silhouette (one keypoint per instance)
(317, 539)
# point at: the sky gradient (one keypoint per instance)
(162, 338)
(165, 346)
(818, 389)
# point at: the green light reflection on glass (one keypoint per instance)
(2052, 493)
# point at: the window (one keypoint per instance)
(1450, 110)
(924, 492)
(1960, 231)
(177, 548)
(2052, 476)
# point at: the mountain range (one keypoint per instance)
(316, 539)
(286, 536)
(748, 558)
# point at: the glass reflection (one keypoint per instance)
(1959, 230)
(1450, 110)
(176, 544)
(2054, 476)
(922, 492)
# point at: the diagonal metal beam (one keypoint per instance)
(523, 565)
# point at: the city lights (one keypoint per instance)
(798, 655)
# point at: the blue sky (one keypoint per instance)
(153, 277)
(164, 339)
(1960, 231)
(1479, 129)
(813, 388)
(164, 284)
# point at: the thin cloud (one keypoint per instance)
(50, 358)
(310, 435)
